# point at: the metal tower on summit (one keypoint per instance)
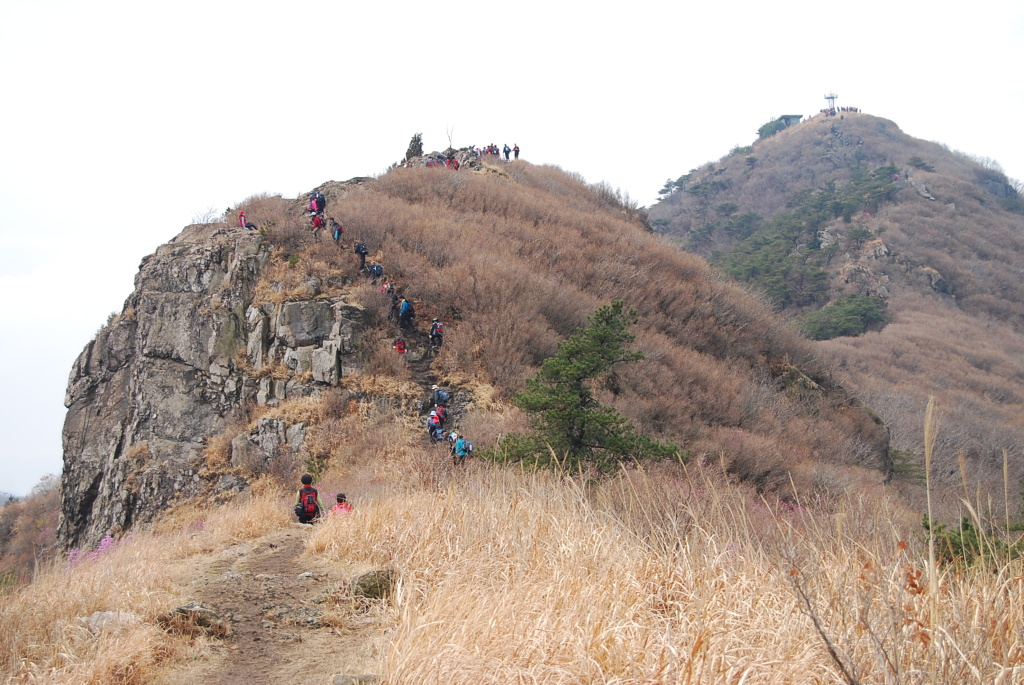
(831, 97)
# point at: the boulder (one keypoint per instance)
(304, 323)
(378, 584)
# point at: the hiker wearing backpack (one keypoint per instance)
(405, 313)
(515, 150)
(374, 271)
(462, 448)
(362, 251)
(442, 414)
(307, 505)
(441, 396)
(507, 151)
(336, 229)
(433, 423)
(436, 333)
(399, 346)
(317, 225)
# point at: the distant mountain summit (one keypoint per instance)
(850, 226)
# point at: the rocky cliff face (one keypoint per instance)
(164, 375)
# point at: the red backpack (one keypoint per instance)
(307, 499)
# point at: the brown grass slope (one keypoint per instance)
(516, 261)
(950, 267)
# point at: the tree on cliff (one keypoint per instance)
(569, 423)
(415, 147)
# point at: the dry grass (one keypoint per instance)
(524, 577)
(670, 574)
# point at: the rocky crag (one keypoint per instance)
(186, 353)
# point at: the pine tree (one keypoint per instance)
(567, 419)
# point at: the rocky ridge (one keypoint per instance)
(188, 351)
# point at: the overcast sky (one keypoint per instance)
(121, 121)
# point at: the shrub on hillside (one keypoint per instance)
(570, 423)
(770, 129)
(851, 315)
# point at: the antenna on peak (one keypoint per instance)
(831, 97)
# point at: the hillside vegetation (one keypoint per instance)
(516, 259)
(768, 551)
(915, 248)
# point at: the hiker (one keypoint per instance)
(436, 333)
(507, 150)
(317, 202)
(386, 288)
(307, 505)
(375, 271)
(405, 313)
(437, 435)
(362, 252)
(441, 397)
(317, 223)
(453, 439)
(342, 507)
(433, 423)
(462, 448)
(336, 229)
(515, 149)
(244, 223)
(399, 346)
(442, 414)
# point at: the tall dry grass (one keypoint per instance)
(511, 576)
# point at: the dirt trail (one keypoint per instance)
(291, 621)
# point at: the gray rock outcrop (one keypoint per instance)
(189, 348)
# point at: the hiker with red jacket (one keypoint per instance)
(515, 150)
(244, 223)
(342, 507)
(317, 222)
(307, 505)
(399, 346)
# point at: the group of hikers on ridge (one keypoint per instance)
(307, 500)
(458, 446)
(448, 160)
(308, 508)
(317, 222)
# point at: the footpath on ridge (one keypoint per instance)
(292, 619)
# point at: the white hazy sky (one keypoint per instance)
(120, 121)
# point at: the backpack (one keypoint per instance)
(441, 397)
(376, 269)
(308, 501)
(361, 248)
(468, 447)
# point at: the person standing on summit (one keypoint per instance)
(507, 151)
(515, 149)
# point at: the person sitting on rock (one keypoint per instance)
(244, 223)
